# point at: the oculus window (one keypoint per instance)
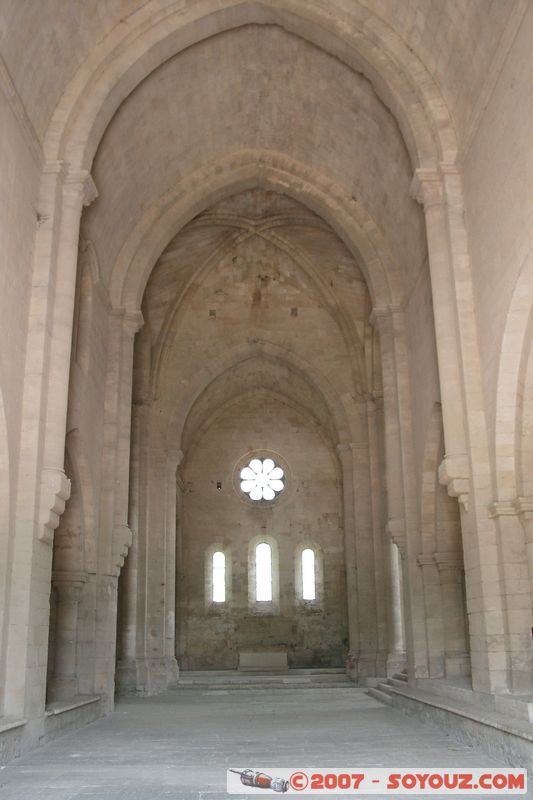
(262, 479)
(263, 573)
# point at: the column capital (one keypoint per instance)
(122, 539)
(524, 506)
(427, 187)
(82, 181)
(68, 584)
(344, 451)
(447, 168)
(174, 457)
(521, 507)
(503, 508)
(454, 473)
(348, 450)
(382, 317)
(133, 322)
(54, 493)
(58, 167)
(343, 447)
(511, 508)
(132, 319)
(396, 530)
(346, 447)
(449, 560)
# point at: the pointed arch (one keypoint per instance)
(153, 34)
(234, 359)
(235, 173)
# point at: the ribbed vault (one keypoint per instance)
(256, 292)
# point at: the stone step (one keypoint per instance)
(244, 687)
(459, 690)
(397, 681)
(225, 673)
(400, 676)
(294, 679)
(264, 681)
(383, 689)
(380, 695)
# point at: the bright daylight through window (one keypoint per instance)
(263, 573)
(308, 575)
(219, 577)
(262, 479)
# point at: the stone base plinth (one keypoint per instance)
(263, 661)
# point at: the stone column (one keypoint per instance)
(397, 657)
(181, 594)
(374, 412)
(64, 683)
(434, 615)
(128, 594)
(113, 549)
(393, 459)
(366, 604)
(78, 191)
(403, 520)
(155, 567)
(468, 478)
(131, 324)
(427, 187)
(524, 507)
(123, 326)
(394, 534)
(148, 652)
(173, 460)
(515, 534)
(345, 456)
(43, 485)
(451, 573)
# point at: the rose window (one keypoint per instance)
(262, 479)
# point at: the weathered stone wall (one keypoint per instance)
(307, 513)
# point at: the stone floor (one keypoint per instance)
(179, 745)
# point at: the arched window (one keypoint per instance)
(308, 575)
(263, 573)
(219, 577)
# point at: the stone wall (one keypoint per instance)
(308, 513)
